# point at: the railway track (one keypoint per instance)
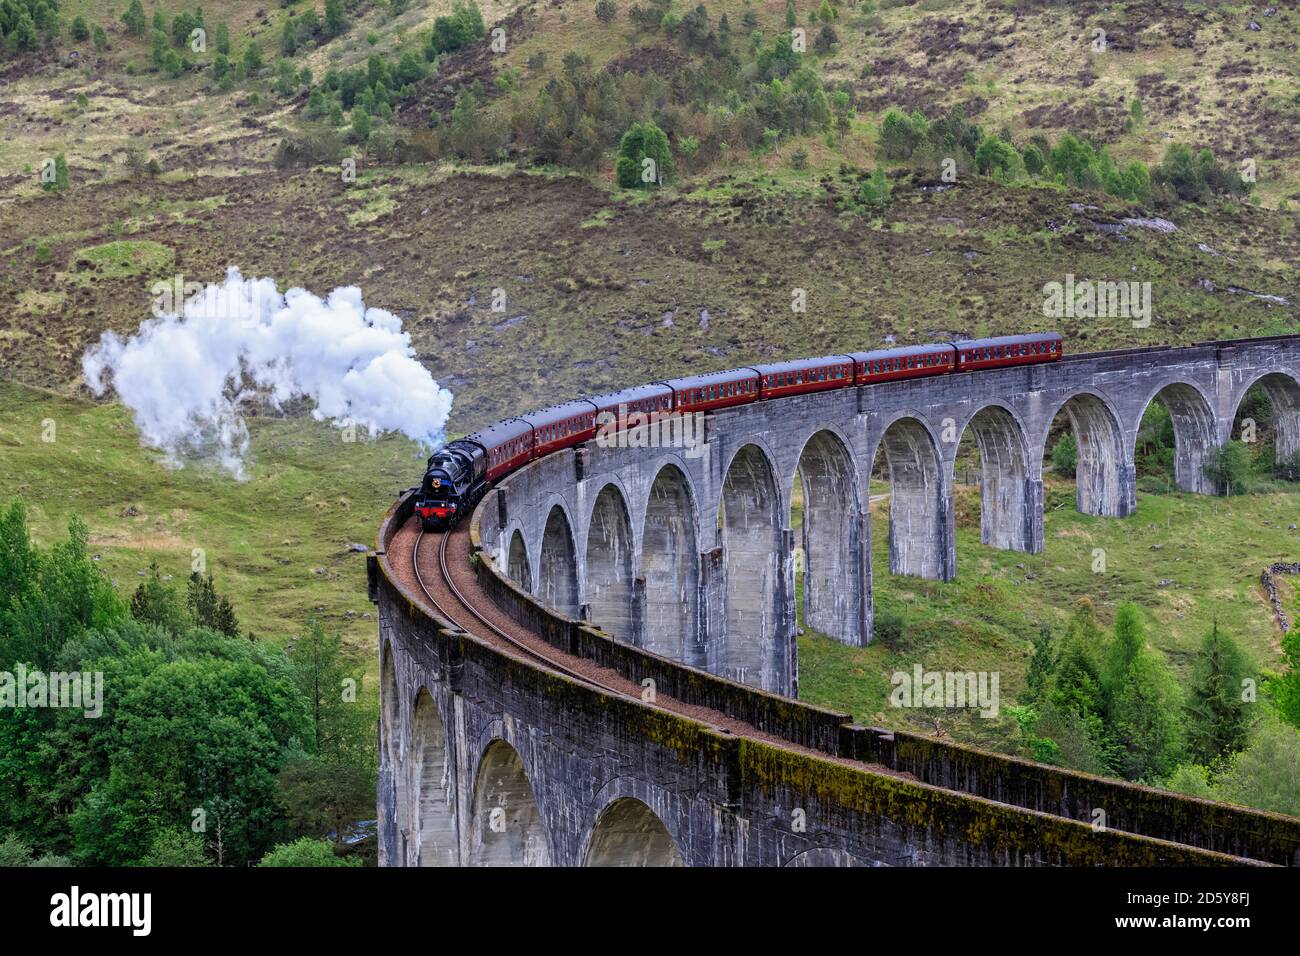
(495, 631)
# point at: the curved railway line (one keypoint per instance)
(443, 539)
(452, 597)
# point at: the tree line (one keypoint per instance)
(212, 747)
(1107, 703)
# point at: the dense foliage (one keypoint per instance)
(1108, 704)
(211, 747)
(26, 25)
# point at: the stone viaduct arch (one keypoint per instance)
(750, 529)
(720, 594)
(1282, 386)
(1010, 482)
(1104, 473)
(920, 501)
(670, 565)
(836, 539)
(628, 833)
(517, 565)
(431, 799)
(557, 572)
(609, 583)
(1195, 433)
(507, 827)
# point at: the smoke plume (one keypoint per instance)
(185, 377)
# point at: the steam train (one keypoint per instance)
(461, 472)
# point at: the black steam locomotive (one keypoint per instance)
(454, 481)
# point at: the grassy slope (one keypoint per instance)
(1211, 549)
(277, 544)
(611, 289)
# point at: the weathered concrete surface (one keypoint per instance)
(487, 759)
(692, 555)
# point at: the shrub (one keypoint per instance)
(997, 157)
(101, 38)
(335, 20)
(644, 158)
(14, 852)
(311, 147)
(1065, 455)
(134, 19)
(606, 11)
(888, 625)
(827, 39)
(61, 178)
(361, 126)
(158, 47)
(289, 37)
(1228, 466)
(252, 58)
(875, 191)
(1195, 177)
(80, 31)
(172, 64)
(1032, 157)
(306, 852)
(175, 847)
(183, 25)
(899, 136)
(463, 27)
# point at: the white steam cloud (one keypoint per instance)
(185, 377)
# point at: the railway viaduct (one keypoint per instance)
(674, 567)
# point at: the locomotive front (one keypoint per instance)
(447, 489)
